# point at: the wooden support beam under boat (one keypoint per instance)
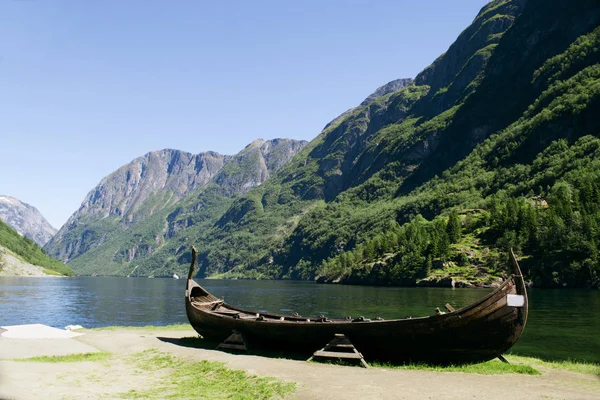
(235, 341)
(340, 347)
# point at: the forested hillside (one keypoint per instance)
(28, 251)
(25, 219)
(495, 145)
(429, 181)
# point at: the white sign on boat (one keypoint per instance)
(515, 300)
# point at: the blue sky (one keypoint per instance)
(87, 86)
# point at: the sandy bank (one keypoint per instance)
(109, 378)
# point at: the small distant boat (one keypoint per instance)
(175, 276)
(477, 332)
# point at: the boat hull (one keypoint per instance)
(479, 332)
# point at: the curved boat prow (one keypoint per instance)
(520, 286)
(192, 287)
(193, 265)
(515, 269)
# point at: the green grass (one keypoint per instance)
(28, 251)
(581, 367)
(51, 272)
(493, 367)
(98, 356)
(203, 379)
(518, 365)
(151, 328)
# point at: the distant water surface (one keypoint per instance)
(562, 324)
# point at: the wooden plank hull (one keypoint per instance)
(478, 332)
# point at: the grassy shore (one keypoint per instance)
(493, 367)
(172, 362)
(202, 379)
(175, 378)
(97, 356)
(517, 364)
(145, 328)
(581, 367)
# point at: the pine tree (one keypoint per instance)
(453, 228)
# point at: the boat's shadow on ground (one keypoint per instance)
(197, 342)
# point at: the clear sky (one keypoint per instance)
(87, 86)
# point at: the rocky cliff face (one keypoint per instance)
(253, 165)
(135, 191)
(26, 220)
(124, 192)
(144, 197)
(345, 151)
(455, 70)
(389, 87)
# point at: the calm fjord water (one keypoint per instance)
(562, 324)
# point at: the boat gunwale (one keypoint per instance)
(290, 319)
(274, 318)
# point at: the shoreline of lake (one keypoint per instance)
(561, 323)
(146, 361)
(445, 283)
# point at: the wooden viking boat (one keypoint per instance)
(478, 332)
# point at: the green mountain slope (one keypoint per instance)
(148, 239)
(497, 137)
(28, 251)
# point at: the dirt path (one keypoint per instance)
(106, 379)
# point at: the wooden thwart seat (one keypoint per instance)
(215, 303)
(227, 312)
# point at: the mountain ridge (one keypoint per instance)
(26, 220)
(493, 146)
(377, 166)
(154, 185)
